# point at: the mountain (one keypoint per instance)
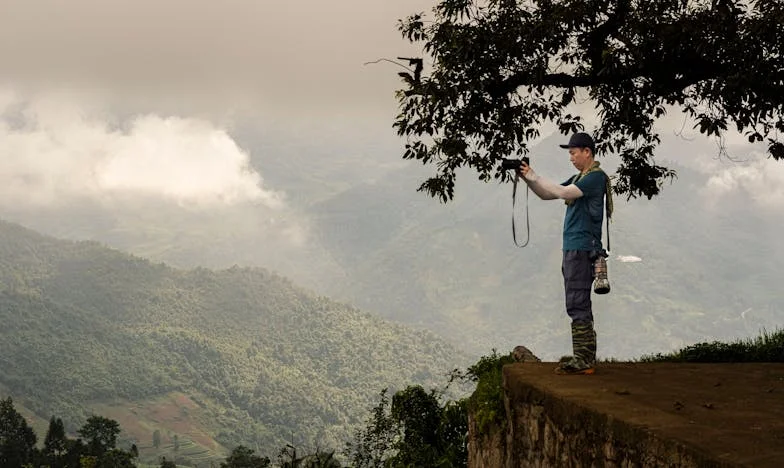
(707, 270)
(356, 230)
(216, 358)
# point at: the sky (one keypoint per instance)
(209, 132)
(99, 97)
(288, 56)
(106, 99)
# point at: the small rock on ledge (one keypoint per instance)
(522, 354)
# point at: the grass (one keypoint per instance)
(768, 347)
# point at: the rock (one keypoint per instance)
(523, 354)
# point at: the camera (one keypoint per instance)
(514, 164)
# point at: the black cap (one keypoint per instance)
(580, 140)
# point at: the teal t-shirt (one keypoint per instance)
(584, 216)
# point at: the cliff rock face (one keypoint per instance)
(632, 415)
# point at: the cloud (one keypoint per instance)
(53, 152)
(760, 178)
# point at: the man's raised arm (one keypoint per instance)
(547, 189)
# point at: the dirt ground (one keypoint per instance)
(734, 412)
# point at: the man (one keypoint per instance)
(582, 242)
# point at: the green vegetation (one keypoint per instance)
(419, 428)
(500, 72)
(415, 428)
(425, 429)
(96, 449)
(486, 403)
(211, 359)
(768, 347)
(191, 363)
(415, 431)
(244, 457)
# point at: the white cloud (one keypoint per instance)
(53, 151)
(761, 179)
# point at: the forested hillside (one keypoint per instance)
(708, 269)
(258, 360)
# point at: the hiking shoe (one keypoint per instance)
(574, 366)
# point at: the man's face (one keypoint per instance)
(581, 158)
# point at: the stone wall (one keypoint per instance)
(544, 430)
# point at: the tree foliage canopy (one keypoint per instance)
(17, 439)
(417, 429)
(244, 457)
(100, 433)
(17, 443)
(55, 442)
(501, 69)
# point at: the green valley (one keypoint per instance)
(208, 358)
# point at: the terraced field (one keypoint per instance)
(182, 423)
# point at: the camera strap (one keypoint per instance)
(527, 220)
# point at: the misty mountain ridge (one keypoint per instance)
(705, 273)
(251, 357)
(364, 235)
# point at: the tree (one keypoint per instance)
(156, 439)
(167, 464)
(116, 458)
(321, 459)
(100, 434)
(288, 458)
(501, 69)
(74, 451)
(243, 457)
(415, 431)
(453, 434)
(419, 413)
(55, 442)
(17, 439)
(375, 443)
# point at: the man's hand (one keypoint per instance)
(526, 172)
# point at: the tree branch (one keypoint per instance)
(597, 39)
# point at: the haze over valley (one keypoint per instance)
(207, 228)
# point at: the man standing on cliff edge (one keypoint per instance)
(582, 242)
